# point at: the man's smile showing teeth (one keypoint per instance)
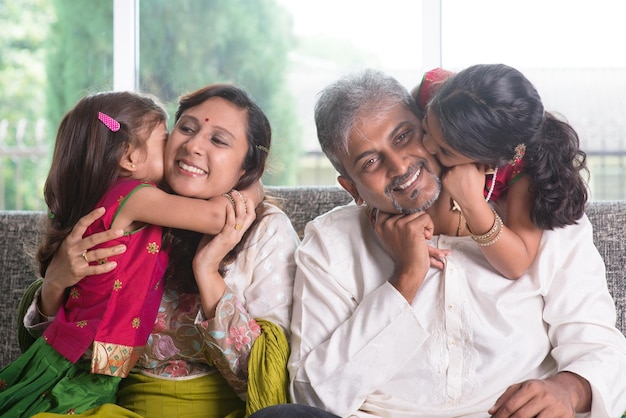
(410, 181)
(191, 169)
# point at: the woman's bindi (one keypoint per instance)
(206, 119)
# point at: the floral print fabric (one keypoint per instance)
(259, 284)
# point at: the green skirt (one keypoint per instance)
(203, 397)
(143, 396)
(41, 380)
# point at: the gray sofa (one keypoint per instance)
(19, 232)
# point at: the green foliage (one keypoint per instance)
(188, 44)
(80, 54)
(22, 79)
(22, 46)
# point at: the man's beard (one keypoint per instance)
(416, 194)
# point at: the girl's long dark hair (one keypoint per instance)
(259, 136)
(86, 159)
(486, 110)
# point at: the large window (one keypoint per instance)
(284, 52)
(571, 50)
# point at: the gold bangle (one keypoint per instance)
(488, 233)
(41, 314)
(243, 200)
(491, 236)
(492, 241)
(230, 197)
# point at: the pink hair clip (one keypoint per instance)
(109, 122)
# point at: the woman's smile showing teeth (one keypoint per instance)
(190, 169)
(410, 181)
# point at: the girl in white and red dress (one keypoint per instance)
(108, 154)
(502, 151)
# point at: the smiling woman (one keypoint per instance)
(205, 143)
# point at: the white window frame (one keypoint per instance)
(431, 34)
(125, 45)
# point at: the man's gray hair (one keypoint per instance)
(342, 105)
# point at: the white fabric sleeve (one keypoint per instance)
(343, 349)
(580, 314)
(32, 320)
(268, 270)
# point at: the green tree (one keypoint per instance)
(80, 54)
(187, 44)
(22, 79)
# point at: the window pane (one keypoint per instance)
(53, 53)
(188, 44)
(283, 52)
(571, 50)
(333, 38)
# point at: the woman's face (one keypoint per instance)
(206, 149)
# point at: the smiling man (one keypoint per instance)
(378, 332)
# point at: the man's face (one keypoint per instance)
(388, 166)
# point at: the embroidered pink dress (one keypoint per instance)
(505, 177)
(112, 314)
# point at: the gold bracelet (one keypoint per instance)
(492, 241)
(41, 314)
(230, 197)
(491, 236)
(243, 200)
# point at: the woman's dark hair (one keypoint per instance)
(86, 159)
(259, 136)
(486, 110)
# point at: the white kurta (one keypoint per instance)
(359, 349)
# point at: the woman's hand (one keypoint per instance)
(212, 250)
(71, 261)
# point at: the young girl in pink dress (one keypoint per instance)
(108, 154)
(514, 169)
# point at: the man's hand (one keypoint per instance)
(404, 237)
(559, 396)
